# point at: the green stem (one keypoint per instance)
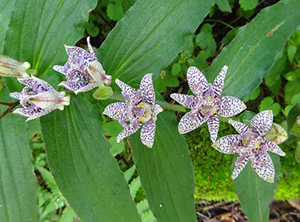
(164, 105)
(220, 21)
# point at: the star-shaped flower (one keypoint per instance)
(207, 103)
(38, 98)
(251, 145)
(138, 109)
(83, 70)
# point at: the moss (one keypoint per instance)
(212, 169)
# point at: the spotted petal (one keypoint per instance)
(147, 90)
(273, 147)
(31, 112)
(78, 87)
(219, 81)
(189, 122)
(241, 128)
(92, 53)
(240, 164)
(196, 81)
(117, 111)
(188, 101)
(213, 127)
(148, 133)
(36, 84)
(128, 130)
(156, 109)
(263, 166)
(126, 89)
(227, 144)
(230, 106)
(262, 122)
(61, 69)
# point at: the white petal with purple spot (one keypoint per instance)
(263, 166)
(196, 80)
(262, 122)
(148, 133)
(227, 144)
(241, 128)
(230, 106)
(219, 81)
(117, 111)
(213, 127)
(147, 90)
(188, 101)
(240, 164)
(274, 148)
(127, 131)
(189, 122)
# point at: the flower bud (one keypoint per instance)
(12, 68)
(103, 93)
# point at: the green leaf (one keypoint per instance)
(176, 69)
(37, 31)
(291, 88)
(223, 5)
(157, 37)
(112, 128)
(19, 189)
(229, 36)
(115, 10)
(248, 4)
(253, 95)
(166, 171)
(92, 29)
(246, 56)
(292, 115)
(268, 104)
(291, 52)
(254, 193)
(292, 75)
(79, 158)
(116, 148)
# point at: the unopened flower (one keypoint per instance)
(83, 70)
(12, 68)
(251, 145)
(207, 103)
(38, 98)
(138, 109)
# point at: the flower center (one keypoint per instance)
(146, 112)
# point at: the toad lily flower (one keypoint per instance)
(38, 98)
(139, 109)
(251, 145)
(207, 103)
(12, 68)
(83, 70)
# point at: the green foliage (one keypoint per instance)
(268, 104)
(248, 4)
(166, 171)
(223, 5)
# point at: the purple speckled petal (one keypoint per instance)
(196, 81)
(189, 122)
(128, 90)
(156, 109)
(273, 147)
(60, 69)
(117, 111)
(77, 87)
(240, 163)
(230, 106)
(227, 144)
(213, 127)
(148, 133)
(241, 128)
(219, 82)
(127, 131)
(188, 101)
(16, 95)
(262, 122)
(31, 112)
(37, 85)
(92, 53)
(263, 166)
(147, 90)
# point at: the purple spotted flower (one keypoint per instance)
(138, 109)
(251, 145)
(207, 103)
(38, 98)
(83, 70)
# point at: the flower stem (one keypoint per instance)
(216, 20)
(164, 105)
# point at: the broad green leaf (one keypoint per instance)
(166, 171)
(85, 171)
(38, 29)
(146, 44)
(115, 10)
(292, 116)
(254, 193)
(291, 89)
(268, 104)
(223, 5)
(18, 189)
(251, 54)
(248, 4)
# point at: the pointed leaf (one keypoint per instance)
(157, 37)
(85, 171)
(18, 184)
(254, 193)
(250, 56)
(166, 171)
